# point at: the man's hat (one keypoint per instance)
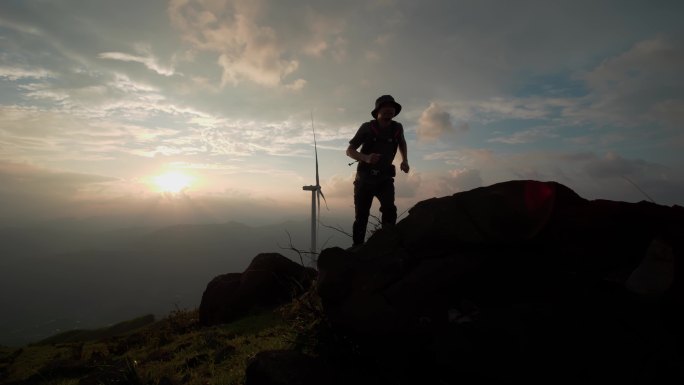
(385, 99)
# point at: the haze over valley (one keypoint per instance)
(62, 276)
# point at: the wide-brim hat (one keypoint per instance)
(385, 99)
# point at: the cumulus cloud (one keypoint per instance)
(247, 50)
(435, 122)
(249, 42)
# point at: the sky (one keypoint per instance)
(201, 110)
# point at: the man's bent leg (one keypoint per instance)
(363, 199)
(385, 195)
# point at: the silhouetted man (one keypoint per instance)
(379, 140)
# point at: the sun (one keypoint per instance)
(172, 182)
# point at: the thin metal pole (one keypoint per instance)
(313, 221)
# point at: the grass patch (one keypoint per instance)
(176, 348)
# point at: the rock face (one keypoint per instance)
(271, 279)
(285, 367)
(520, 280)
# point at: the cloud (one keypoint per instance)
(613, 165)
(640, 86)
(104, 95)
(296, 85)
(438, 119)
(31, 194)
(608, 176)
(342, 186)
(435, 122)
(16, 73)
(459, 180)
(149, 61)
(465, 157)
(57, 135)
(250, 42)
(407, 185)
(125, 84)
(108, 115)
(525, 136)
(570, 80)
(524, 108)
(629, 96)
(339, 186)
(613, 176)
(605, 138)
(20, 123)
(18, 178)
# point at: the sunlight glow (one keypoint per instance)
(172, 182)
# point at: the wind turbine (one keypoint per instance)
(316, 195)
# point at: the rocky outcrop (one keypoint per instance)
(519, 280)
(270, 279)
(286, 367)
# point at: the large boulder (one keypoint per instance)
(513, 277)
(269, 280)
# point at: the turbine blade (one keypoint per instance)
(318, 200)
(320, 191)
(318, 220)
(315, 148)
(317, 182)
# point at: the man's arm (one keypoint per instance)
(356, 142)
(366, 158)
(404, 154)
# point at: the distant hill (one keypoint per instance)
(56, 279)
(98, 334)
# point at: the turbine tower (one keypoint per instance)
(316, 195)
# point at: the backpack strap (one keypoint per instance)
(376, 130)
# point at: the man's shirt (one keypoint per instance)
(383, 141)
